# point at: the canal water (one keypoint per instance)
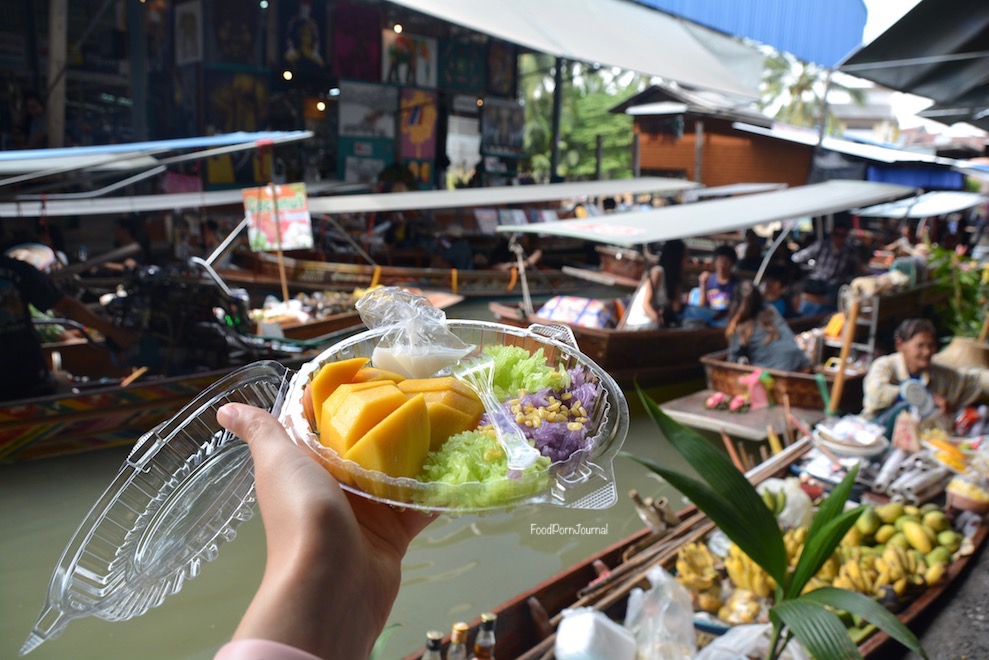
(455, 569)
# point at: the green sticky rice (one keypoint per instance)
(517, 369)
(473, 464)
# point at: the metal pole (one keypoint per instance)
(137, 54)
(698, 149)
(554, 161)
(58, 29)
(636, 162)
(599, 153)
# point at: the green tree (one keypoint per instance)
(588, 94)
(797, 89)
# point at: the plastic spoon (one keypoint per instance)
(478, 372)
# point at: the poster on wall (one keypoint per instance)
(502, 128)
(502, 66)
(301, 43)
(368, 110)
(278, 217)
(237, 101)
(408, 59)
(461, 66)
(234, 32)
(417, 123)
(356, 42)
(361, 160)
(188, 33)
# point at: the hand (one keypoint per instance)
(704, 277)
(941, 403)
(334, 558)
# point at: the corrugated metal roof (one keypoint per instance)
(819, 31)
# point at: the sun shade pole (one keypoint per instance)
(784, 233)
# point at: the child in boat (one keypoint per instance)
(715, 290)
(757, 333)
(775, 291)
(916, 343)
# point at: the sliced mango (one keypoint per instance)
(354, 409)
(330, 376)
(371, 374)
(446, 421)
(397, 445)
(446, 390)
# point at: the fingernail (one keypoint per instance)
(226, 415)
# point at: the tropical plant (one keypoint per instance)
(733, 504)
(966, 282)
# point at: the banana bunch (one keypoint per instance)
(794, 540)
(857, 576)
(695, 568)
(900, 570)
(775, 500)
(746, 574)
(829, 569)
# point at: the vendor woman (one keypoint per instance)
(915, 346)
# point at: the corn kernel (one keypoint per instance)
(574, 426)
(519, 417)
(566, 396)
(554, 406)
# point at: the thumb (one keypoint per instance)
(263, 434)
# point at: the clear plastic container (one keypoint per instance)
(188, 484)
(584, 481)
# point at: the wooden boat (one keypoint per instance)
(646, 356)
(803, 390)
(261, 269)
(527, 623)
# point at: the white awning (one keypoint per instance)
(719, 215)
(148, 203)
(731, 190)
(613, 33)
(928, 205)
(480, 197)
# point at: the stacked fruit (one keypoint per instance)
(895, 550)
(697, 570)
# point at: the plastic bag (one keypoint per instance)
(662, 619)
(587, 634)
(797, 510)
(416, 342)
(749, 641)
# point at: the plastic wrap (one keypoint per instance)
(748, 641)
(662, 619)
(798, 509)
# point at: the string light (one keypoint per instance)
(287, 75)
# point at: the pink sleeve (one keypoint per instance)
(260, 649)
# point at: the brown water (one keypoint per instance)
(454, 570)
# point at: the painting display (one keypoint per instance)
(356, 41)
(361, 160)
(234, 33)
(408, 59)
(189, 33)
(417, 124)
(462, 66)
(502, 66)
(502, 128)
(368, 110)
(237, 101)
(300, 38)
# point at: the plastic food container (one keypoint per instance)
(188, 484)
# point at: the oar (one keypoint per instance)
(846, 348)
(985, 329)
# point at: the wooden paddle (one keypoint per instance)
(846, 348)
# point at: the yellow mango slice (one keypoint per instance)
(371, 374)
(397, 445)
(354, 409)
(448, 391)
(330, 376)
(446, 421)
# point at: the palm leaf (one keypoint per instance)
(833, 505)
(740, 511)
(377, 651)
(818, 548)
(819, 630)
(869, 610)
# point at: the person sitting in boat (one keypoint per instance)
(715, 290)
(453, 250)
(836, 261)
(758, 334)
(22, 361)
(916, 344)
(658, 301)
(749, 251)
(776, 291)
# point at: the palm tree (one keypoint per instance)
(798, 89)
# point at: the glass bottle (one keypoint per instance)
(484, 644)
(434, 646)
(458, 642)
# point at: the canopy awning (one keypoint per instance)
(720, 215)
(731, 190)
(613, 33)
(149, 203)
(132, 155)
(480, 197)
(928, 205)
(939, 50)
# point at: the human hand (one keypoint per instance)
(334, 558)
(941, 403)
(703, 277)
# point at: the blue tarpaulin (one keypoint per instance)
(820, 31)
(928, 178)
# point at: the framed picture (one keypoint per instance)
(189, 33)
(502, 128)
(408, 59)
(356, 42)
(368, 110)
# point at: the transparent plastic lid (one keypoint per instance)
(181, 494)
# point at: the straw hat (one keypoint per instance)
(964, 353)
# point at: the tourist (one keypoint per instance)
(715, 290)
(334, 559)
(916, 344)
(758, 334)
(749, 251)
(836, 262)
(22, 361)
(776, 291)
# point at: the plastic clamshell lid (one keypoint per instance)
(584, 481)
(182, 492)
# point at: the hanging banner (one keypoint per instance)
(356, 41)
(418, 124)
(278, 211)
(408, 59)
